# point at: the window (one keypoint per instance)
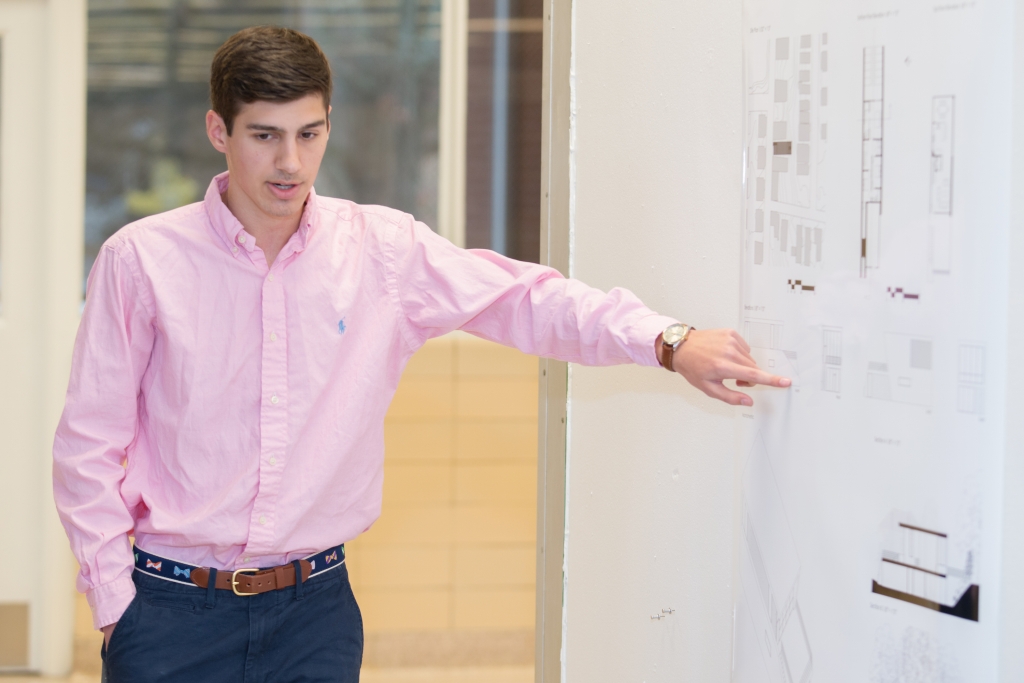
(149, 60)
(503, 126)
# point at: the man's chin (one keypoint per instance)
(282, 209)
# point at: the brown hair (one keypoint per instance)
(267, 63)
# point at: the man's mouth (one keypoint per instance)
(284, 191)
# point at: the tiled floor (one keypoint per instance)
(513, 674)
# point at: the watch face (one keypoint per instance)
(673, 334)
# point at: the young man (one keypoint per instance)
(231, 374)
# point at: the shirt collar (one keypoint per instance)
(227, 225)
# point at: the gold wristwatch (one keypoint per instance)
(671, 339)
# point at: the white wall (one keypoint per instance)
(657, 158)
(42, 199)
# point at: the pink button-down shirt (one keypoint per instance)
(248, 401)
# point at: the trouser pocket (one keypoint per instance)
(124, 624)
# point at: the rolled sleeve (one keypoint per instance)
(642, 337)
(109, 601)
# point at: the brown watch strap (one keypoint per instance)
(667, 352)
(262, 581)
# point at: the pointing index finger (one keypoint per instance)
(758, 376)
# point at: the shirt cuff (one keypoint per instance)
(109, 601)
(644, 334)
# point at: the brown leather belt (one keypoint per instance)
(252, 581)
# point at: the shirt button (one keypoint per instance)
(263, 520)
(246, 559)
(273, 336)
(273, 460)
(241, 239)
(273, 399)
(271, 278)
(234, 250)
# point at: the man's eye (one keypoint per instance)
(308, 135)
(263, 136)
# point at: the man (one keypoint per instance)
(234, 364)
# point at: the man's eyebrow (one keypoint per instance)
(277, 129)
(263, 127)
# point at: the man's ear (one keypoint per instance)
(217, 131)
(329, 108)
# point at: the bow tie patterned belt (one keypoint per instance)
(240, 581)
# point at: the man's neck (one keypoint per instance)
(270, 232)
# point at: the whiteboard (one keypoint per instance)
(876, 225)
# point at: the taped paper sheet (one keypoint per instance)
(875, 232)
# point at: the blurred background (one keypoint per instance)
(148, 76)
(436, 111)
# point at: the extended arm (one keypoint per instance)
(533, 308)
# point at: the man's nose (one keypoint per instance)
(288, 159)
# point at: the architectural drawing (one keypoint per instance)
(941, 182)
(904, 374)
(797, 142)
(915, 568)
(831, 359)
(872, 130)
(765, 339)
(970, 390)
(795, 241)
(863, 261)
(757, 175)
(771, 574)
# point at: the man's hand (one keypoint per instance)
(708, 357)
(107, 630)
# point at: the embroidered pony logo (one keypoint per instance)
(182, 572)
(332, 557)
(150, 564)
(341, 326)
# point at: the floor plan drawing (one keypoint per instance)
(797, 132)
(904, 374)
(795, 241)
(770, 574)
(941, 182)
(872, 132)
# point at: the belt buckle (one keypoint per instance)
(234, 581)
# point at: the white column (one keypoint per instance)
(451, 184)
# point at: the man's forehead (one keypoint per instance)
(307, 112)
